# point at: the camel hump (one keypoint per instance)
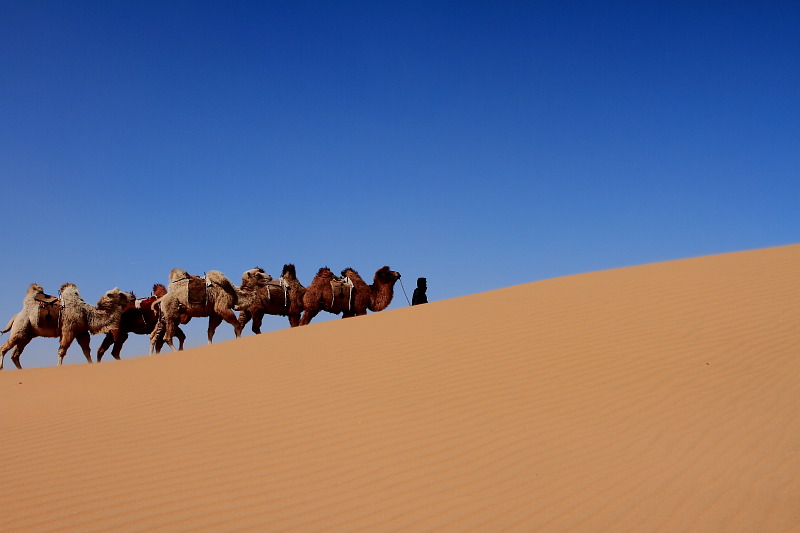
(177, 274)
(289, 271)
(68, 287)
(159, 290)
(216, 277)
(324, 272)
(69, 293)
(350, 272)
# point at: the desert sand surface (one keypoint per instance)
(661, 397)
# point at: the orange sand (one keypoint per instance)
(664, 397)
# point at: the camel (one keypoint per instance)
(350, 296)
(259, 294)
(160, 328)
(142, 319)
(71, 319)
(191, 296)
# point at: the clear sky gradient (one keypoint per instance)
(478, 144)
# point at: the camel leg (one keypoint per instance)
(169, 333)
(108, 340)
(18, 344)
(213, 322)
(244, 318)
(157, 337)
(21, 344)
(117, 349)
(66, 340)
(294, 320)
(168, 340)
(157, 340)
(16, 353)
(83, 341)
(6, 347)
(308, 316)
(230, 317)
(258, 319)
(156, 347)
(181, 338)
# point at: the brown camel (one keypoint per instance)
(71, 319)
(259, 294)
(141, 320)
(213, 296)
(349, 295)
(160, 328)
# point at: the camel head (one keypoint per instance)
(255, 277)
(386, 276)
(115, 299)
(159, 290)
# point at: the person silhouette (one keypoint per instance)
(419, 296)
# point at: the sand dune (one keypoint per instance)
(663, 397)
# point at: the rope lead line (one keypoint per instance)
(404, 290)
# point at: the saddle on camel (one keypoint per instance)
(342, 293)
(145, 304)
(49, 311)
(196, 294)
(196, 288)
(282, 286)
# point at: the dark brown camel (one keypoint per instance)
(259, 294)
(350, 297)
(140, 320)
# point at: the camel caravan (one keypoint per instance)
(118, 314)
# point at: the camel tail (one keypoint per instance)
(8, 327)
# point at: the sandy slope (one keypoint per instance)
(657, 398)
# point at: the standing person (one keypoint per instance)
(419, 293)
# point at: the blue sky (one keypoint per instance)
(478, 144)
